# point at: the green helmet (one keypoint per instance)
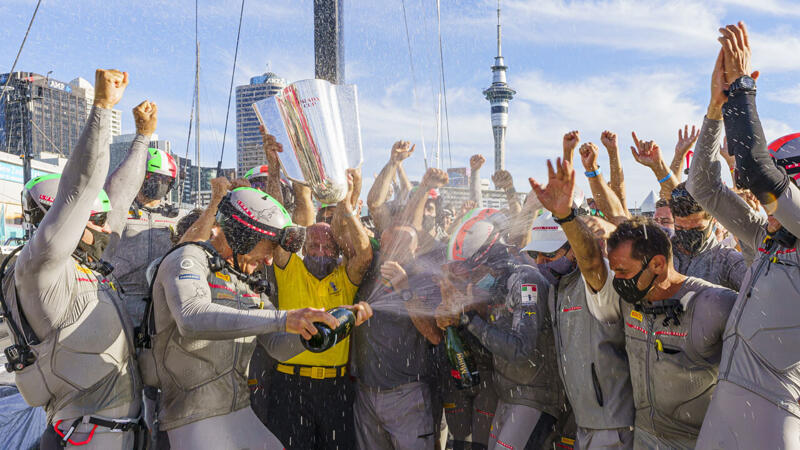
(39, 194)
(248, 216)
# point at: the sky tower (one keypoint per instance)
(499, 94)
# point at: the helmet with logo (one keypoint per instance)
(786, 151)
(478, 240)
(257, 176)
(39, 194)
(161, 175)
(546, 235)
(248, 215)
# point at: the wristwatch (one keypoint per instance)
(743, 83)
(406, 294)
(570, 217)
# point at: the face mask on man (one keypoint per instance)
(691, 240)
(155, 188)
(628, 288)
(428, 222)
(554, 270)
(98, 245)
(320, 266)
(487, 282)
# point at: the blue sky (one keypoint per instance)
(622, 65)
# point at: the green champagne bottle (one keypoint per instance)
(327, 338)
(463, 367)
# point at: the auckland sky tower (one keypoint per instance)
(499, 94)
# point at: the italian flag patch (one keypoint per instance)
(528, 293)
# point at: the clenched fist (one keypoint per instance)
(109, 85)
(219, 187)
(146, 117)
(401, 150)
(434, 178)
(571, 140)
(502, 180)
(476, 162)
(609, 140)
(589, 153)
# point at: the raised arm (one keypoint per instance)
(648, 154)
(617, 181)
(272, 147)
(570, 143)
(757, 169)
(705, 182)
(415, 208)
(602, 193)
(403, 184)
(557, 198)
(304, 213)
(356, 246)
(379, 193)
(519, 232)
(126, 181)
(502, 180)
(685, 142)
(81, 181)
(200, 230)
(475, 164)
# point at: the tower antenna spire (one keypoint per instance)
(499, 95)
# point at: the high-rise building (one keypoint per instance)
(249, 152)
(499, 95)
(120, 145)
(44, 113)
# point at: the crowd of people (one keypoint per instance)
(579, 324)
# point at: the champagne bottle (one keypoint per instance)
(327, 338)
(464, 370)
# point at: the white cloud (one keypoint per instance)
(789, 95)
(777, 7)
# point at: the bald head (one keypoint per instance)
(320, 242)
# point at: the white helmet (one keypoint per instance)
(546, 235)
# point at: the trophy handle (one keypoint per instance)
(294, 180)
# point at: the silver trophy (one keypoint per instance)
(317, 124)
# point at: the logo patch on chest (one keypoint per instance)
(223, 276)
(637, 315)
(528, 293)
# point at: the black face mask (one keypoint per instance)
(95, 250)
(320, 266)
(627, 287)
(691, 240)
(155, 187)
(428, 222)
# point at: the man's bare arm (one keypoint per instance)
(201, 228)
(351, 227)
(617, 181)
(648, 154)
(557, 198)
(685, 143)
(607, 201)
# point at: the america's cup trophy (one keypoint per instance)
(317, 124)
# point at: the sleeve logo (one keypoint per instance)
(528, 294)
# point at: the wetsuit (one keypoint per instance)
(206, 324)
(593, 366)
(673, 363)
(85, 368)
(519, 335)
(755, 404)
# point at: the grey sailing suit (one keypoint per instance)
(593, 366)
(673, 367)
(713, 262)
(146, 237)
(756, 403)
(520, 337)
(206, 324)
(85, 366)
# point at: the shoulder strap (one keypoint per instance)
(145, 331)
(23, 333)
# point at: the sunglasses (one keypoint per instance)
(549, 255)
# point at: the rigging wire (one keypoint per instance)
(186, 156)
(444, 85)
(414, 81)
(230, 91)
(19, 52)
